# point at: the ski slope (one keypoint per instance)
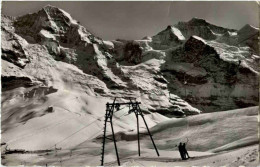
(215, 139)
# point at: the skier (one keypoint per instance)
(185, 152)
(180, 147)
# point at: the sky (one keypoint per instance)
(135, 20)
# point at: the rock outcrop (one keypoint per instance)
(13, 46)
(208, 80)
(249, 36)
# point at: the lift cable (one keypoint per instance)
(83, 129)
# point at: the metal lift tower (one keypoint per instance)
(133, 107)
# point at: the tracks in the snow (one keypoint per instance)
(157, 159)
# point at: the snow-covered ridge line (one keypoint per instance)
(254, 27)
(199, 38)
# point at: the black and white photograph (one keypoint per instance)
(130, 83)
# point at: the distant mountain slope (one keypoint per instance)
(211, 67)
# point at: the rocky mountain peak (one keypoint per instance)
(50, 7)
(50, 18)
(250, 26)
(248, 29)
(202, 28)
(198, 22)
(169, 27)
(53, 27)
(171, 36)
(57, 14)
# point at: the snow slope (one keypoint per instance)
(210, 137)
(215, 139)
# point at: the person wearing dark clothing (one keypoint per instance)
(180, 147)
(185, 152)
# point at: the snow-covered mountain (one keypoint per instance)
(211, 67)
(54, 68)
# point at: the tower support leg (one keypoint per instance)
(138, 136)
(118, 161)
(148, 130)
(104, 141)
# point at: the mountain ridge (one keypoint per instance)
(72, 43)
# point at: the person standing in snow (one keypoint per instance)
(185, 152)
(180, 147)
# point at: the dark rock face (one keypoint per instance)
(39, 91)
(13, 49)
(132, 53)
(248, 35)
(201, 28)
(196, 47)
(198, 28)
(166, 38)
(225, 81)
(49, 18)
(52, 26)
(12, 82)
(214, 28)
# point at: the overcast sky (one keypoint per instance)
(134, 20)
